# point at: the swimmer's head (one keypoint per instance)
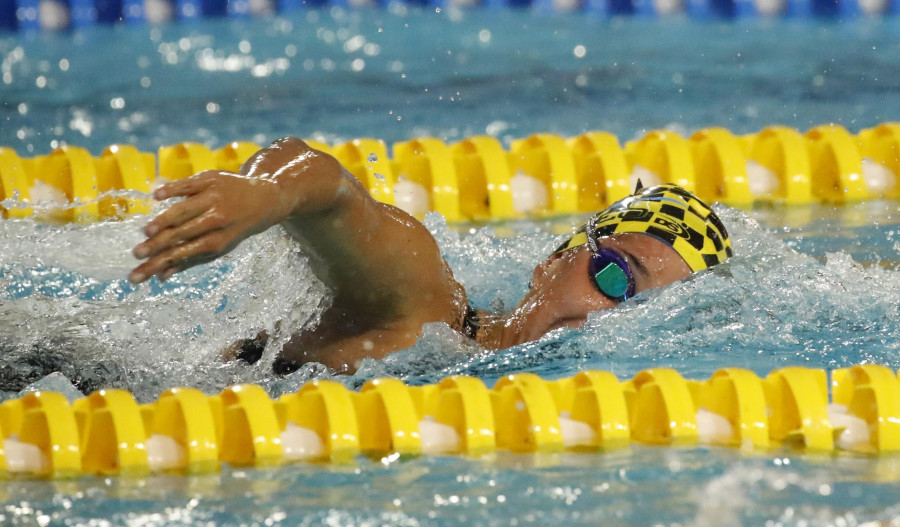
(666, 212)
(646, 241)
(669, 213)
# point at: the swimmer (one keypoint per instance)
(385, 270)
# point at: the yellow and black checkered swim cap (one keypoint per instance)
(669, 213)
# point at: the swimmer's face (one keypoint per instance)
(563, 293)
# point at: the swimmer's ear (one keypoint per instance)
(638, 186)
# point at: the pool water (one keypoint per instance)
(398, 74)
(817, 286)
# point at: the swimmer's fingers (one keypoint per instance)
(187, 186)
(177, 215)
(190, 229)
(192, 187)
(181, 257)
(203, 191)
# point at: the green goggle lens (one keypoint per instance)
(611, 274)
(612, 281)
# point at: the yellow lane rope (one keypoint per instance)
(185, 431)
(478, 179)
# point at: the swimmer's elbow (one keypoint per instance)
(289, 142)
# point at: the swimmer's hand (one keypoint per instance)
(221, 209)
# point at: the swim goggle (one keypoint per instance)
(608, 269)
(611, 274)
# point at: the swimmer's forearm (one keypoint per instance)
(318, 202)
(344, 234)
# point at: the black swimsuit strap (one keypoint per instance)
(470, 323)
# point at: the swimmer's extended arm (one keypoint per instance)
(384, 267)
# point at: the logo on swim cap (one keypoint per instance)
(668, 213)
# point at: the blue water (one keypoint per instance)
(816, 286)
(337, 74)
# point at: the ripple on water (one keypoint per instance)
(69, 309)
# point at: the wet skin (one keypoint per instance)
(562, 292)
(384, 269)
